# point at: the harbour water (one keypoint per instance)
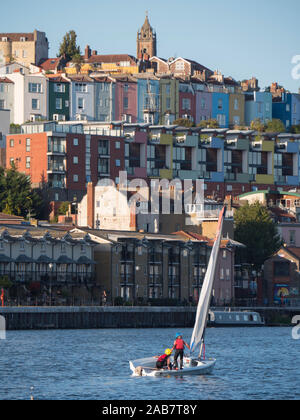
(252, 363)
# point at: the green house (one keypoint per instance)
(59, 98)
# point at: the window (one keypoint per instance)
(288, 108)
(58, 103)
(168, 89)
(80, 103)
(27, 162)
(75, 142)
(126, 88)
(11, 143)
(67, 104)
(236, 104)
(75, 178)
(118, 162)
(35, 104)
(2, 104)
(179, 65)
(125, 102)
(222, 273)
(59, 88)
(236, 120)
(24, 53)
(168, 103)
(80, 87)
(27, 145)
(229, 187)
(118, 145)
(220, 104)
(35, 87)
(292, 237)
(186, 103)
(75, 160)
(281, 269)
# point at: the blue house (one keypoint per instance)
(258, 105)
(282, 109)
(148, 101)
(220, 108)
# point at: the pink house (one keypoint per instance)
(290, 233)
(187, 106)
(126, 99)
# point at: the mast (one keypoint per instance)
(206, 291)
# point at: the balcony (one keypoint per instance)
(49, 279)
(56, 150)
(56, 168)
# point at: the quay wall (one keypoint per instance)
(34, 318)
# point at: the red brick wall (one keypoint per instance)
(37, 154)
(71, 167)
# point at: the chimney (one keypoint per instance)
(90, 205)
(87, 52)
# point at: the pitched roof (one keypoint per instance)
(56, 79)
(50, 64)
(5, 80)
(16, 36)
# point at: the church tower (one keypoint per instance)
(146, 40)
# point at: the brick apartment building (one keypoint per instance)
(63, 158)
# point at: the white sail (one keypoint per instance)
(206, 291)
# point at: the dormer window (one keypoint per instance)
(22, 39)
(4, 39)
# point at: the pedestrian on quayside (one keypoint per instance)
(178, 346)
(163, 361)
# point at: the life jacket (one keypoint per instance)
(179, 344)
(162, 358)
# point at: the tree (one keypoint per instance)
(275, 126)
(257, 125)
(64, 208)
(68, 47)
(295, 129)
(77, 60)
(16, 194)
(209, 124)
(255, 229)
(184, 122)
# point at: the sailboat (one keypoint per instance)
(191, 365)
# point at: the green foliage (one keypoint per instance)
(295, 129)
(209, 124)
(184, 122)
(255, 229)
(16, 195)
(257, 125)
(15, 129)
(275, 126)
(77, 60)
(68, 46)
(63, 208)
(5, 283)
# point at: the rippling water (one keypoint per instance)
(252, 363)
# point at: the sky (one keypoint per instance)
(237, 37)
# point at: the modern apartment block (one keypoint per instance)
(68, 155)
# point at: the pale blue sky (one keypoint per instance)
(240, 38)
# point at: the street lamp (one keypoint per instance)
(50, 289)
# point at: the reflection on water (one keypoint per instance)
(254, 363)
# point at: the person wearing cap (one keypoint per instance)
(163, 361)
(178, 346)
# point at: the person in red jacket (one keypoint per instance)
(163, 361)
(178, 346)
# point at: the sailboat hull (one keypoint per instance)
(146, 367)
